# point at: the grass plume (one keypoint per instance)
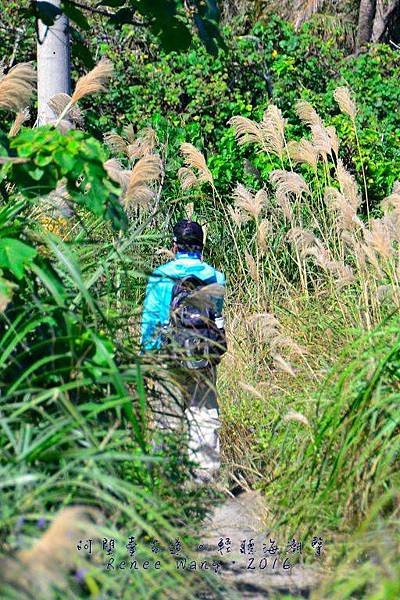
(196, 171)
(21, 117)
(17, 87)
(91, 83)
(148, 169)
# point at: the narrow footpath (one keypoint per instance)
(251, 574)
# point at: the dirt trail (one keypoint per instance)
(239, 519)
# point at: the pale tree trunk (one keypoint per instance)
(366, 18)
(53, 64)
(385, 12)
(375, 19)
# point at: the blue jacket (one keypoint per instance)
(159, 292)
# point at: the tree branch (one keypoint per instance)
(366, 16)
(18, 37)
(382, 20)
(101, 11)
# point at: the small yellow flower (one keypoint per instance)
(274, 53)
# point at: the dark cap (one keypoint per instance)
(188, 233)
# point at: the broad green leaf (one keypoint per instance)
(75, 15)
(15, 256)
(123, 16)
(80, 50)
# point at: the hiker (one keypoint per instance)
(182, 320)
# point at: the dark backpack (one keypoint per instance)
(192, 334)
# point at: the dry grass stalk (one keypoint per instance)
(59, 103)
(242, 196)
(384, 292)
(252, 266)
(189, 210)
(307, 114)
(13, 159)
(147, 169)
(301, 238)
(273, 130)
(17, 87)
(144, 145)
(268, 319)
(117, 173)
(250, 203)
(293, 415)
(348, 185)
(21, 117)
(322, 140)
(115, 142)
(261, 197)
(132, 147)
(288, 184)
(346, 104)
(237, 216)
(359, 253)
(303, 152)
(128, 132)
(264, 231)
(393, 222)
(283, 203)
(283, 365)
(47, 564)
(333, 136)
(187, 178)
(194, 159)
(379, 237)
(347, 218)
(268, 328)
(94, 81)
(282, 341)
(366, 253)
(391, 203)
(247, 387)
(336, 268)
(349, 240)
(308, 244)
(344, 275)
(246, 130)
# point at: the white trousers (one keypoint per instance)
(198, 399)
(204, 424)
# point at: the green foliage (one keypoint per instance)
(191, 96)
(74, 413)
(164, 18)
(73, 426)
(15, 255)
(350, 456)
(52, 157)
(372, 76)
